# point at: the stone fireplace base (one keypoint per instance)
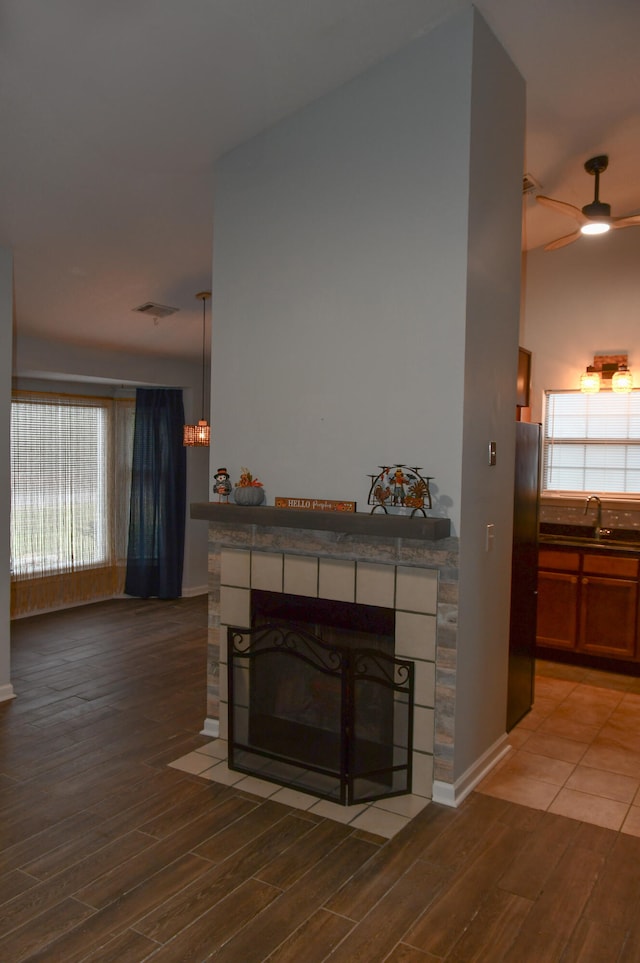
(390, 561)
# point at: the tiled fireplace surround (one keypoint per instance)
(414, 573)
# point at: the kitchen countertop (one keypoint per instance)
(626, 541)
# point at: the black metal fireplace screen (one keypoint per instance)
(325, 719)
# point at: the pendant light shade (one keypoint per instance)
(194, 436)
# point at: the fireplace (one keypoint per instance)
(409, 566)
(318, 701)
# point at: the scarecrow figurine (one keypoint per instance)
(223, 486)
(398, 482)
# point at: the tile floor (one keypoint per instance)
(386, 817)
(577, 753)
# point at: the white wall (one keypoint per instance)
(491, 352)
(6, 338)
(339, 285)
(366, 303)
(38, 358)
(581, 300)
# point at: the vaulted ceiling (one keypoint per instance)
(113, 114)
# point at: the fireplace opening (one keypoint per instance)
(317, 699)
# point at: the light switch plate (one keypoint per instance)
(490, 537)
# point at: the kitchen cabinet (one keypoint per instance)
(608, 606)
(588, 602)
(558, 574)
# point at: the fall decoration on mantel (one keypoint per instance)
(249, 490)
(315, 504)
(399, 486)
(222, 486)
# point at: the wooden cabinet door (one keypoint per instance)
(557, 610)
(608, 615)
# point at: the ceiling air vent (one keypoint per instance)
(154, 310)
(529, 184)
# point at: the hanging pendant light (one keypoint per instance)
(194, 436)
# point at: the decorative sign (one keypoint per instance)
(315, 504)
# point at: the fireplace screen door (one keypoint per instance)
(326, 719)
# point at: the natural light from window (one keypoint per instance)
(591, 442)
(59, 514)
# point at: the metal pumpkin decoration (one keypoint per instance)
(248, 490)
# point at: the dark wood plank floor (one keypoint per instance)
(106, 854)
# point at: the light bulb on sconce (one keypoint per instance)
(607, 371)
(622, 380)
(590, 381)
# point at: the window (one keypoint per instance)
(70, 482)
(60, 506)
(591, 443)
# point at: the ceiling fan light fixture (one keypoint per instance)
(593, 218)
(595, 227)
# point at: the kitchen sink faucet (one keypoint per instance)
(595, 498)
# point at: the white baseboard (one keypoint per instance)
(452, 794)
(6, 692)
(188, 593)
(211, 728)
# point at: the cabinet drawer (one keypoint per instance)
(610, 565)
(558, 560)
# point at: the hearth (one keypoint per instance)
(407, 565)
(317, 699)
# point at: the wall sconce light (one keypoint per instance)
(590, 381)
(607, 371)
(622, 380)
(198, 436)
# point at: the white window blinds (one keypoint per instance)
(592, 442)
(60, 510)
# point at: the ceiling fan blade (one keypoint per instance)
(626, 221)
(562, 208)
(561, 241)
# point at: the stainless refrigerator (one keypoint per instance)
(524, 574)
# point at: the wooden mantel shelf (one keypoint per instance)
(350, 523)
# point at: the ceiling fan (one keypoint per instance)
(594, 218)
